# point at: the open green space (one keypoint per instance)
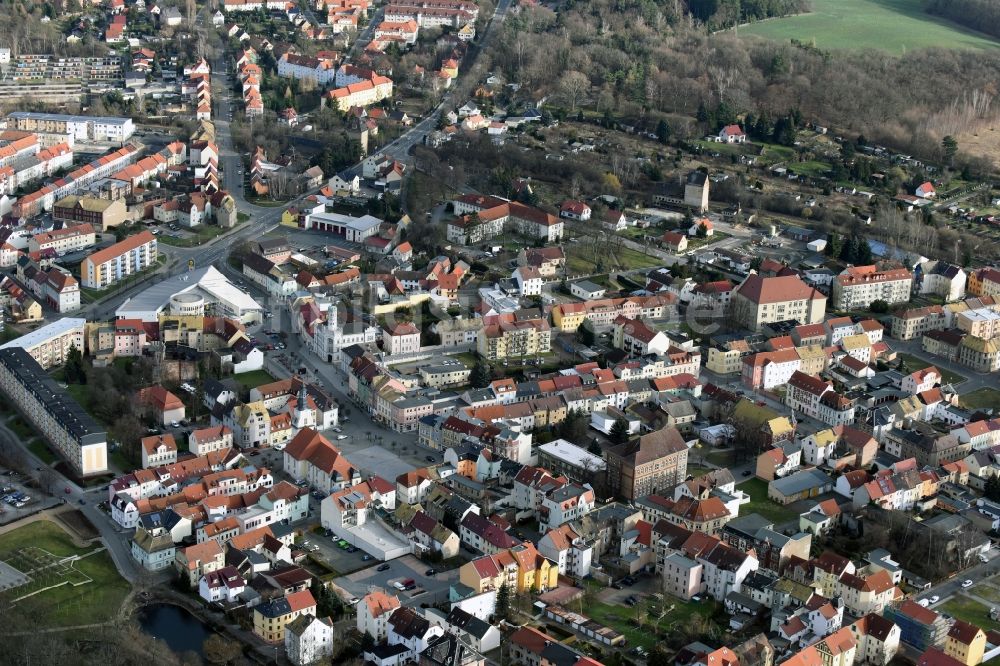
(581, 259)
(91, 602)
(254, 378)
(811, 168)
(759, 502)
(964, 608)
(40, 449)
(624, 619)
(887, 25)
(197, 236)
(22, 428)
(988, 592)
(914, 363)
(984, 398)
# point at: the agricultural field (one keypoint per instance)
(888, 25)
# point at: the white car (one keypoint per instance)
(966, 584)
(983, 558)
(924, 602)
(174, 424)
(934, 599)
(339, 437)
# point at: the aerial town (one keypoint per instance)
(435, 332)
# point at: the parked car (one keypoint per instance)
(934, 599)
(382, 567)
(430, 572)
(966, 584)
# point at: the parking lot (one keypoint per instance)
(429, 589)
(18, 499)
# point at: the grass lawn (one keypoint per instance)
(984, 398)
(988, 592)
(23, 429)
(888, 25)
(914, 363)
(811, 168)
(697, 470)
(96, 601)
(964, 608)
(721, 148)
(254, 378)
(619, 617)
(694, 242)
(759, 502)
(582, 260)
(721, 458)
(40, 449)
(202, 234)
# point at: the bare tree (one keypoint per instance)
(573, 86)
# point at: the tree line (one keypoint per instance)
(981, 15)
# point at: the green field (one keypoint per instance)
(760, 503)
(99, 592)
(254, 378)
(622, 619)
(984, 398)
(888, 25)
(914, 363)
(970, 610)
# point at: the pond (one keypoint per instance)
(178, 628)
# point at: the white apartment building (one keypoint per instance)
(858, 286)
(108, 266)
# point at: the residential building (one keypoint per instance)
(572, 553)
(308, 639)
(65, 240)
(653, 462)
(984, 282)
(103, 214)
(271, 618)
(402, 338)
(522, 568)
(68, 429)
(373, 613)
(158, 450)
(920, 628)
(196, 561)
(858, 286)
(877, 638)
(108, 266)
(965, 642)
(763, 300)
(914, 322)
(50, 344)
(206, 440)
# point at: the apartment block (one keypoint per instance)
(108, 266)
(858, 286)
(58, 417)
(50, 344)
(914, 322)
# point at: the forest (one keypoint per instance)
(642, 61)
(726, 12)
(981, 15)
